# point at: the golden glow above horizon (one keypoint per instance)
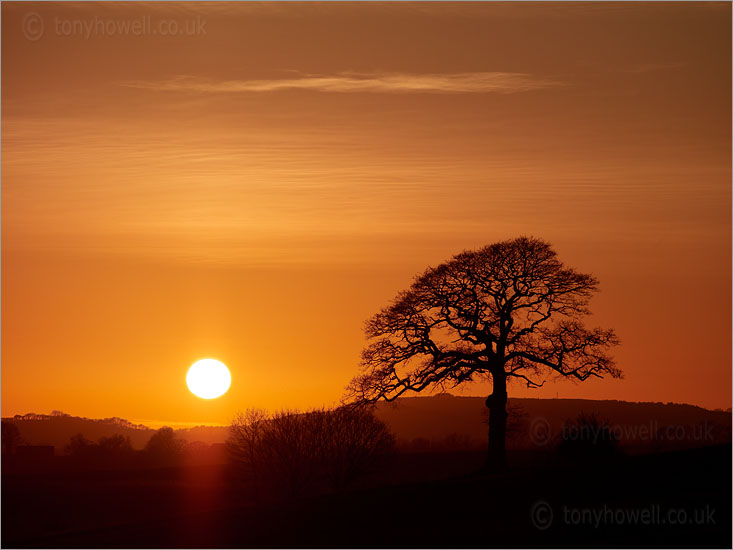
(256, 191)
(208, 379)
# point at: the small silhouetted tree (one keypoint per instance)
(10, 437)
(113, 450)
(588, 438)
(291, 453)
(510, 310)
(80, 447)
(164, 447)
(116, 448)
(352, 442)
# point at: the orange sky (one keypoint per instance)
(257, 186)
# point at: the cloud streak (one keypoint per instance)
(453, 83)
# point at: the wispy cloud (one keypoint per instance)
(453, 83)
(641, 68)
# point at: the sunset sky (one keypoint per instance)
(257, 186)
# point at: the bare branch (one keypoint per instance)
(511, 309)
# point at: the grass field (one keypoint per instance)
(679, 499)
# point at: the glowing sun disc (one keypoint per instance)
(208, 379)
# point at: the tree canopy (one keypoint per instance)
(510, 310)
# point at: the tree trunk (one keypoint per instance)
(496, 403)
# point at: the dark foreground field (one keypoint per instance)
(678, 499)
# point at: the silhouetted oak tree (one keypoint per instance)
(510, 310)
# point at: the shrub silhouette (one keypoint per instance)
(451, 442)
(588, 437)
(116, 447)
(164, 448)
(115, 450)
(352, 443)
(80, 447)
(290, 453)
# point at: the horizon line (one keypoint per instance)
(153, 424)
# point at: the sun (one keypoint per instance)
(208, 379)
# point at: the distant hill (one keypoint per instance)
(205, 434)
(450, 422)
(57, 429)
